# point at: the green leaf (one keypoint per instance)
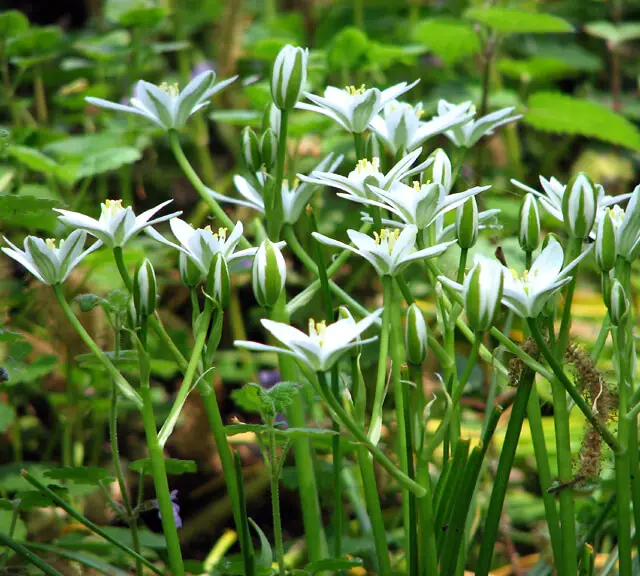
(30, 499)
(348, 47)
(107, 160)
(450, 40)
(7, 417)
(282, 395)
(88, 302)
(80, 474)
(616, 35)
(536, 68)
(174, 466)
(8, 336)
(265, 557)
(294, 433)
(88, 560)
(41, 41)
(36, 160)
(251, 398)
(148, 539)
(11, 204)
(233, 429)
(22, 373)
(556, 112)
(333, 564)
(511, 21)
(12, 23)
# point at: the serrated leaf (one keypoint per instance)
(173, 465)
(282, 395)
(11, 204)
(615, 34)
(81, 474)
(333, 564)
(512, 21)
(450, 40)
(251, 398)
(556, 112)
(88, 302)
(107, 160)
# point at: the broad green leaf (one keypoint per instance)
(75, 148)
(7, 417)
(36, 160)
(174, 466)
(11, 479)
(20, 531)
(108, 160)
(615, 34)
(512, 21)
(9, 336)
(250, 398)
(536, 68)
(88, 302)
(41, 41)
(145, 17)
(333, 564)
(348, 47)
(12, 23)
(12, 204)
(450, 40)
(106, 47)
(556, 112)
(22, 373)
(80, 474)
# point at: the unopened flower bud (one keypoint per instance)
(190, 274)
(606, 250)
(618, 303)
(268, 274)
(415, 335)
(482, 292)
(218, 280)
(271, 118)
(251, 150)
(144, 289)
(579, 206)
(440, 170)
(289, 76)
(269, 149)
(529, 231)
(467, 223)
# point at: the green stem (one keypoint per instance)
(393, 301)
(122, 484)
(275, 501)
(246, 544)
(601, 339)
(201, 189)
(29, 556)
(122, 384)
(462, 264)
(274, 209)
(15, 513)
(358, 145)
(303, 454)
(40, 97)
(86, 522)
(575, 245)
(501, 480)
(428, 549)
(161, 483)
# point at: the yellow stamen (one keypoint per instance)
(317, 330)
(364, 165)
(113, 204)
(220, 235)
(352, 90)
(416, 185)
(171, 89)
(419, 113)
(51, 243)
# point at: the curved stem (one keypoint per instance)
(275, 502)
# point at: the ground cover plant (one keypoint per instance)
(305, 287)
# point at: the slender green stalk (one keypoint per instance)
(501, 481)
(622, 464)
(274, 211)
(29, 556)
(161, 483)
(243, 527)
(122, 384)
(358, 144)
(275, 500)
(201, 189)
(575, 246)
(15, 513)
(392, 300)
(601, 339)
(303, 454)
(427, 549)
(124, 490)
(73, 513)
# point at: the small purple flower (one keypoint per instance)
(174, 506)
(268, 378)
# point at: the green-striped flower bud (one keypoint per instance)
(606, 250)
(289, 76)
(218, 280)
(144, 289)
(269, 149)
(529, 231)
(482, 292)
(440, 170)
(271, 118)
(579, 206)
(190, 274)
(268, 274)
(415, 335)
(618, 303)
(251, 150)
(467, 223)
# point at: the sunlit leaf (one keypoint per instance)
(512, 21)
(450, 40)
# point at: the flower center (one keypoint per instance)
(617, 215)
(317, 331)
(387, 238)
(51, 243)
(221, 235)
(172, 89)
(364, 167)
(353, 91)
(111, 208)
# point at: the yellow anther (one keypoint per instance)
(317, 330)
(296, 182)
(364, 165)
(416, 185)
(377, 237)
(171, 89)
(352, 90)
(419, 113)
(220, 235)
(514, 273)
(51, 243)
(111, 204)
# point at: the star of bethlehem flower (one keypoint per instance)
(389, 251)
(166, 105)
(527, 293)
(200, 245)
(357, 185)
(117, 224)
(467, 134)
(400, 126)
(553, 193)
(294, 198)
(353, 108)
(49, 263)
(322, 347)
